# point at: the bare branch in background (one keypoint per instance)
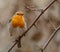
(51, 37)
(33, 8)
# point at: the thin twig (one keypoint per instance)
(31, 25)
(51, 37)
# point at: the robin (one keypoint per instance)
(17, 25)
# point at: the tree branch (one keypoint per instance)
(51, 37)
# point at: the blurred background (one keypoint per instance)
(37, 35)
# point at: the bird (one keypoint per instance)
(17, 26)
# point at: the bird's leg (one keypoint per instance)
(19, 42)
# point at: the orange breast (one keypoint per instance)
(18, 21)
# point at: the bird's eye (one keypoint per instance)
(19, 14)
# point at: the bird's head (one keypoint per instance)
(19, 13)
